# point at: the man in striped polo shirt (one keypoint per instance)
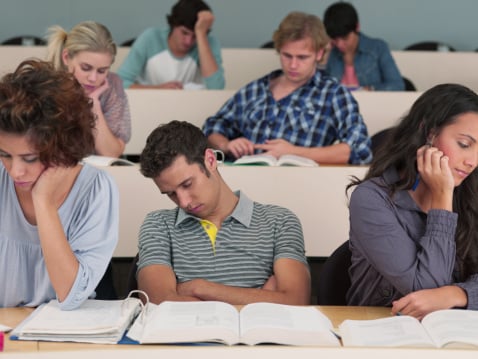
(216, 244)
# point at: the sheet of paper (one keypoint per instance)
(4, 328)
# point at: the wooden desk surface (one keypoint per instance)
(241, 352)
(45, 350)
(13, 316)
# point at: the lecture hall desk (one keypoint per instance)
(13, 316)
(44, 350)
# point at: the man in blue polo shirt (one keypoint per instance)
(181, 56)
(296, 110)
(216, 244)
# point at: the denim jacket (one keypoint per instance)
(374, 65)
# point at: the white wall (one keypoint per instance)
(249, 23)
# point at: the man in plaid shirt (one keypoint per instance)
(295, 110)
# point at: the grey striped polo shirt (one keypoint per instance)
(247, 244)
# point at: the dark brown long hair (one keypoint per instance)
(433, 110)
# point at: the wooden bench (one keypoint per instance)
(424, 68)
(149, 108)
(316, 195)
(242, 65)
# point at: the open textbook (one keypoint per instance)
(187, 322)
(269, 160)
(101, 161)
(106, 321)
(442, 328)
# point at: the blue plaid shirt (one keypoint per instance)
(319, 113)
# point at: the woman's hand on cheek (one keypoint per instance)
(52, 185)
(434, 169)
(95, 95)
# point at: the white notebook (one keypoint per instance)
(95, 321)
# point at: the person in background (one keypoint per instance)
(216, 244)
(356, 60)
(295, 110)
(414, 218)
(58, 218)
(88, 51)
(184, 55)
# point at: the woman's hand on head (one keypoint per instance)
(53, 185)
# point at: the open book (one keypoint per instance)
(269, 160)
(442, 328)
(107, 321)
(101, 161)
(188, 322)
(95, 321)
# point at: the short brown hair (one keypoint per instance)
(297, 26)
(51, 109)
(170, 141)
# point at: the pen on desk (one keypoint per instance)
(1, 341)
(398, 313)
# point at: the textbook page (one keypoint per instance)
(4, 328)
(394, 331)
(187, 322)
(294, 160)
(285, 324)
(103, 161)
(261, 159)
(453, 327)
(269, 160)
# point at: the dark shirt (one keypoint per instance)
(373, 63)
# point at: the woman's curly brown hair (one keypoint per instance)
(49, 107)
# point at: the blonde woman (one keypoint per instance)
(88, 51)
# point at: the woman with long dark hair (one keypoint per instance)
(414, 218)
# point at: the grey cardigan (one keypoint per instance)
(397, 248)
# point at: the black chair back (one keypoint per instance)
(105, 289)
(25, 40)
(334, 280)
(409, 86)
(128, 42)
(132, 282)
(429, 46)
